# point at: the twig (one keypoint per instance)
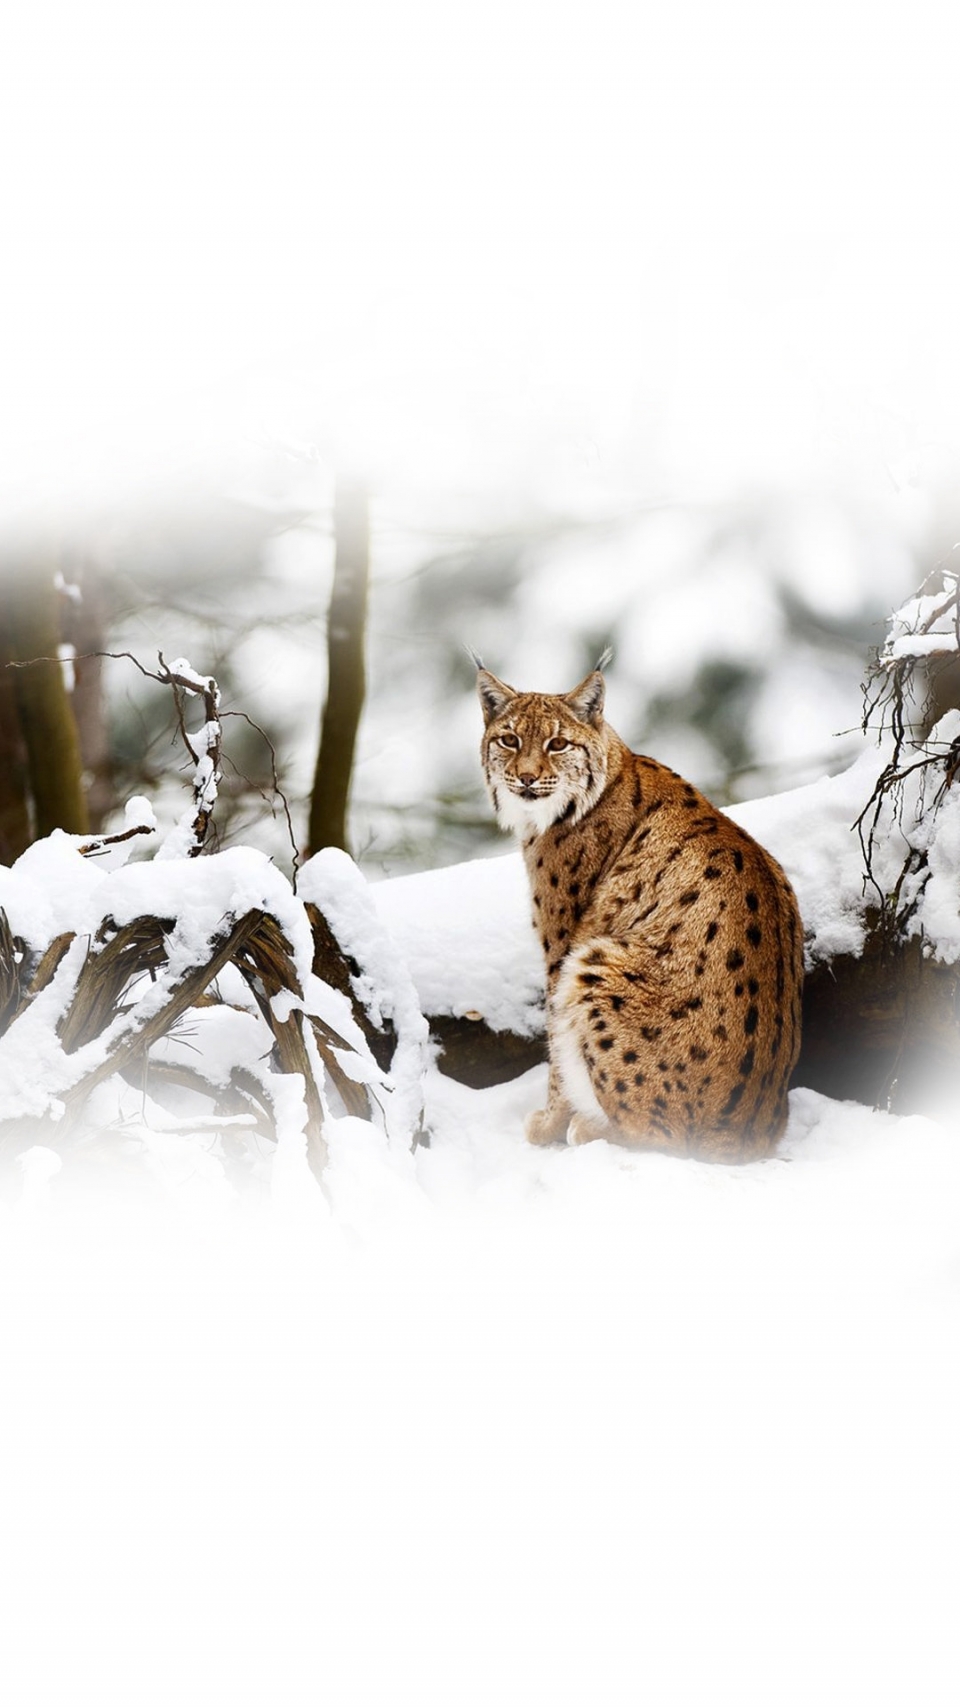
(887, 691)
(101, 842)
(276, 788)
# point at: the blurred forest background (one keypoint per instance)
(740, 630)
(622, 325)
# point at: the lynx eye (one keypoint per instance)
(510, 741)
(557, 744)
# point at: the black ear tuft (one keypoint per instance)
(586, 700)
(494, 694)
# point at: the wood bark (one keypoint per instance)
(85, 628)
(346, 680)
(45, 715)
(14, 791)
(882, 1028)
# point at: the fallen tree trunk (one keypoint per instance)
(882, 1028)
(472, 1053)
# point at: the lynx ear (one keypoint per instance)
(586, 701)
(494, 694)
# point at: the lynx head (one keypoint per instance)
(544, 755)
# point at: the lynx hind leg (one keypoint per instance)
(630, 1063)
(601, 1005)
(583, 1037)
(549, 1125)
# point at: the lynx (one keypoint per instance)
(672, 940)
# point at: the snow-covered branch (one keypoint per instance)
(203, 984)
(205, 747)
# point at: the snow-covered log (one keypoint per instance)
(204, 985)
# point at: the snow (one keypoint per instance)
(939, 905)
(477, 1421)
(811, 832)
(48, 886)
(190, 679)
(466, 935)
(555, 1425)
(139, 811)
(919, 646)
(924, 627)
(385, 986)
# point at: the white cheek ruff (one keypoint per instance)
(519, 815)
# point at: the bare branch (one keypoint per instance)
(182, 684)
(101, 842)
(889, 690)
(277, 789)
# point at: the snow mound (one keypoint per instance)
(811, 831)
(384, 985)
(466, 935)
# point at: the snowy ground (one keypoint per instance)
(495, 1425)
(478, 1425)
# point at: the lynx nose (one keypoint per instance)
(526, 779)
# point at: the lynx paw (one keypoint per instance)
(544, 1127)
(582, 1129)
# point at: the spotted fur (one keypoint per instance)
(672, 940)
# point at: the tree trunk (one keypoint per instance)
(14, 796)
(84, 627)
(346, 625)
(43, 705)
